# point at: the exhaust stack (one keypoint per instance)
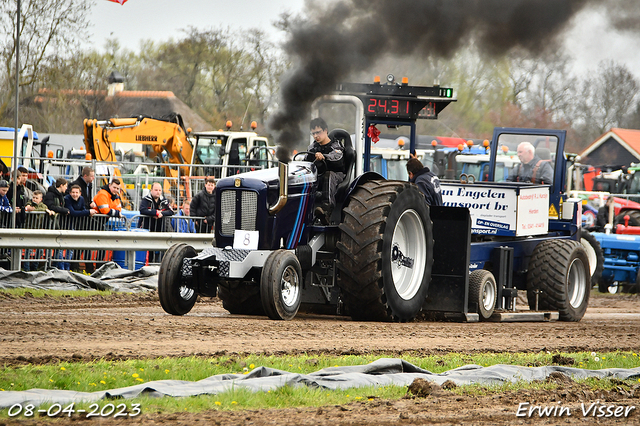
(283, 174)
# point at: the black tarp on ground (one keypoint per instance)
(383, 372)
(108, 277)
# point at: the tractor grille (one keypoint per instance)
(228, 211)
(249, 210)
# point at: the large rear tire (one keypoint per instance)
(483, 292)
(385, 251)
(281, 285)
(559, 270)
(634, 217)
(595, 255)
(177, 296)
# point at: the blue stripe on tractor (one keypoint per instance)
(296, 233)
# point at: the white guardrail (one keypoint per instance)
(127, 241)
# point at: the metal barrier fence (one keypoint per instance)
(38, 257)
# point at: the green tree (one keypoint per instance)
(49, 28)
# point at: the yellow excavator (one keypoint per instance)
(167, 136)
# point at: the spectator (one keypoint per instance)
(427, 182)
(85, 182)
(36, 205)
(54, 199)
(23, 197)
(184, 224)
(35, 220)
(107, 200)
(602, 219)
(77, 208)
(204, 205)
(5, 205)
(79, 219)
(154, 207)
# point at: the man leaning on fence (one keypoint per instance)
(78, 210)
(153, 208)
(54, 199)
(107, 200)
(184, 224)
(204, 205)
(154, 211)
(85, 182)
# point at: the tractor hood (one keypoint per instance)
(300, 173)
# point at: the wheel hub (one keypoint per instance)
(289, 286)
(577, 283)
(408, 254)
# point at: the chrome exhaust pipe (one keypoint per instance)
(283, 174)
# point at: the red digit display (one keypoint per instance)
(388, 107)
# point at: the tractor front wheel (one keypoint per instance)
(280, 285)
(177, 295)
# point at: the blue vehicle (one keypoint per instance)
(621, 272)
(386, 255)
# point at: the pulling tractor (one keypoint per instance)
(385, 254)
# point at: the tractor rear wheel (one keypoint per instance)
(559, 273)
(483, 292)
(385, 251)
(595, 255)
(177, 296)
(634, 217)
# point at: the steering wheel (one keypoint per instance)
(321, 165)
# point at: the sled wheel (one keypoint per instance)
(483, 291)
(177, 295)
(385, 251)
(595, 255)
(559, 270)
(280, 285)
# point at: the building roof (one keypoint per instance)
(133, 103)
(627, 138)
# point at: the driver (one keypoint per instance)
(331, 152)
(531, 168)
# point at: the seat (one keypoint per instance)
(543, 153)
(349, 161)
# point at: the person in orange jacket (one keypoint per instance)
(108, 199)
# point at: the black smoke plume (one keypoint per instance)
(348, 35)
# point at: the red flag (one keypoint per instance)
(119, 1)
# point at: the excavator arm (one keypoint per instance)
(162, 134)
(165, 135)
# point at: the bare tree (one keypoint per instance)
(609, 98)
(48, 28)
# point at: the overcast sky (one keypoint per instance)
(590, 41)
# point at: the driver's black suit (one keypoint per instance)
(334, 158)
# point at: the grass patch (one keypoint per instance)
(56, 294)
(102, 375)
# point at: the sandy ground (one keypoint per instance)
(135, 326)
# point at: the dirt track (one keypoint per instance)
(135, 326)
